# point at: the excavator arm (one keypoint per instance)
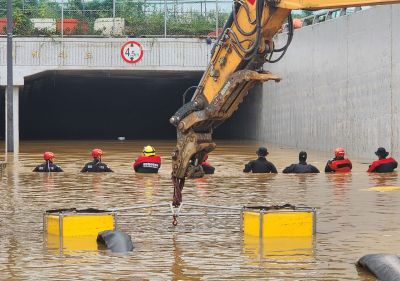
(237, 58)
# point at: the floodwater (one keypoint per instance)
(351, 219)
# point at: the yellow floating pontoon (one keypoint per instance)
(279, 232)
(73, 222)
(279, 221)
(72, 229)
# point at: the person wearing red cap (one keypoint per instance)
(339, 164)
(48, 166)
(96, 165)
(383, 164)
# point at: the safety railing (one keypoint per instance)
(325, 15)
(117, 18)
(321, 16)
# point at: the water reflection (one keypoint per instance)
(383, 179)
(71, 245)
(48, 181)
(179, 265)
(340, 183)
(289, 249)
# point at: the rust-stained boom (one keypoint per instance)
(238, 56)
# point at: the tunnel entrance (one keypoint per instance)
(107, 105)
(135, 105)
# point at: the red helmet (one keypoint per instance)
(339, 152)
(48, 155)
(97, 152)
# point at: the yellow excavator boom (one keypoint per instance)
(238, 56)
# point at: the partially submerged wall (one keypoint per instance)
(340, 87)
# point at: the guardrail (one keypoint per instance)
(325, 15)
(117, 18)
(321, 16)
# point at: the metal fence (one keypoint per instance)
(114, 18)
(325, 15)
(133, 18)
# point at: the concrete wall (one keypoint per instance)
(34, 55)
(341, 86)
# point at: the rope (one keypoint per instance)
(137, 207)
(214, 206)
(194, 214)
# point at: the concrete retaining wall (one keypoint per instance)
(341, 86)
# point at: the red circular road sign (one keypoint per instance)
(132, 52)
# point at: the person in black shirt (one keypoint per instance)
(261, 165)
(302, 167)
(48, 166)
(96, 165)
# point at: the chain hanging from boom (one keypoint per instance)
(178, 186)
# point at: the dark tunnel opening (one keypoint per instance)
(107, 105)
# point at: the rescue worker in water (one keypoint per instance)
(149, 162)
(339, 164)
(383, 164)
(261, 165)
(48, 166)
(302, 167)
(207, 168)
(96, 165)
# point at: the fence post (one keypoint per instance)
(9, 97)
(165, 18)
(113, 26)
(62, 18)
(216, 17)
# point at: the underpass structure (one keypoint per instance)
(36, 57)
(339, 87)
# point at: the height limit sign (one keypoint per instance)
(132, 52)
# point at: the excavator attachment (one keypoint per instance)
(194, 129)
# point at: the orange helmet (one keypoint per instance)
(97, 152)
(48, 155)
(339, 152)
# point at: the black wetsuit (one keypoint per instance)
(48, 166)
(207, 168)
(300, 168)
(261, 165)
(96, 166)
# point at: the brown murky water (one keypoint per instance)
(351, 221)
